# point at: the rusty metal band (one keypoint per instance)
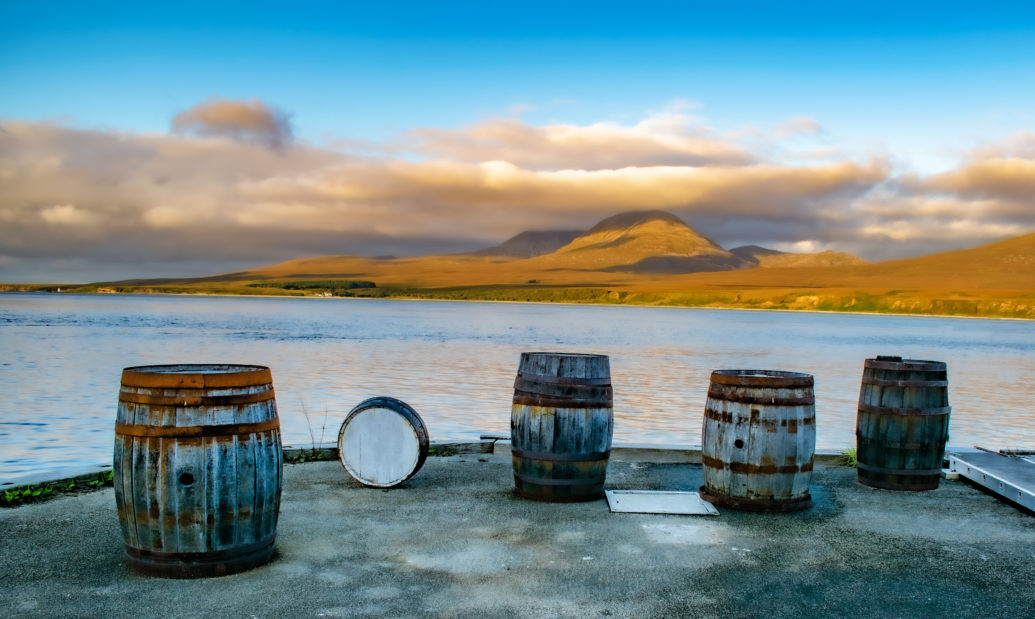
(196, 400)
(230, 429)
(882, 382)
(528, 386)
(531, 399)
(714, 415)
(544, 481)
(746, 468)
(567, 381)
(208, 557)
(748, 378)
(907, 412)
(555, 457)
(910, 365)
(879, 469)
(720, 394)
(152, 376)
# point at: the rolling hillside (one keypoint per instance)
(655, 258)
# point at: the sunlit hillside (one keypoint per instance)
(654, 258)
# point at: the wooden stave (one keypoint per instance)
(404, 410)
(217, 524)
(779, 478)
(571, 395)
(902, 423)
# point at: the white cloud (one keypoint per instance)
(68, 215)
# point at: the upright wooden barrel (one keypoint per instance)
(198, 468)
(383, 442)
(758, 440)
(561, 424)
(903, 423)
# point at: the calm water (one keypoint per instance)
(61, 357)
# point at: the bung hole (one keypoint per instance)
(186, 479)
(739, 443)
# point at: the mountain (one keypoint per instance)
(752, 253)
(776, 259)
(642, 242)
(530, 244)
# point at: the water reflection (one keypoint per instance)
(61, 357)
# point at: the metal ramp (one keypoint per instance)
(1009, 476)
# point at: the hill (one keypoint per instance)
(771, 258)
(530, 244)
(1007, 264)
(642, 242)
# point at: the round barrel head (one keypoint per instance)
(382, 442)
(761, 378)
(196, 375)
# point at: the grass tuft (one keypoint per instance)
(22, 495)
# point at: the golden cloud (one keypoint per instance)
(1011, 178)
(663, 139)
(250, 121)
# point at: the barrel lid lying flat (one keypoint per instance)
(659, 502)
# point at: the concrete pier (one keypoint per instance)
(454, 541)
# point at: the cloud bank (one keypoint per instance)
(228, 188)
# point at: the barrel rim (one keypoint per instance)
(762, 378)
(196, 375)
(571, 355)
(745, 504)
(916, 365)
(206, 564)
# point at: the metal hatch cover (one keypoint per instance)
(659, 502)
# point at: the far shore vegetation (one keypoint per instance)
(969, 303)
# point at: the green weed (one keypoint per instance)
(21, 495)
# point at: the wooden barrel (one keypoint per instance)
(198, 468)
(561, 424)
(383, 442)
(758, 440)
(903, 423)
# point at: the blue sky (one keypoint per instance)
(918, 85)
(926, 76)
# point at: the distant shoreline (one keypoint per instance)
(77, 290)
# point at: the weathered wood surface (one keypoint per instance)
(382, 442)
(903, 423)
(561, 425)
(197, 468)
(758, 440)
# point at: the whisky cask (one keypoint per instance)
(197, 468)
(758, 440)
(902, 423)
(561, 426)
